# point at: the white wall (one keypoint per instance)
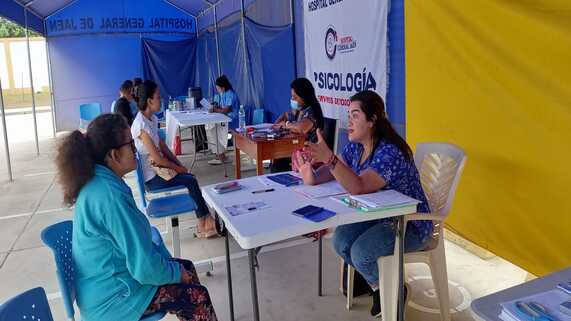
(19, 64)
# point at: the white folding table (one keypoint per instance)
(276, 223)
(178, 120)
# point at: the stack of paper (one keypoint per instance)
(321, 190)
(550, 300)
(383, 199)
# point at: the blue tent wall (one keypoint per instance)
(79, 77)
(90, 69)
(15, 12)
(89, 63)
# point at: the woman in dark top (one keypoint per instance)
(123, 108)
(305, 117)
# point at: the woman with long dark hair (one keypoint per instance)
(119, 273)
(161, 168)
(305, 117)
(375, 158)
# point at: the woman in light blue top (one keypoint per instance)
(225, 102)
(375, 158)
(119, 273)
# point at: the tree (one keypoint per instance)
(9, 29)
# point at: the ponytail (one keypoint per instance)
(75, 165)
(78, 153)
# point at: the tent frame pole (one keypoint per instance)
(216, 40)
(31, 82)
(51, 82)
(5, 131)
(244, 39)
(292, 22)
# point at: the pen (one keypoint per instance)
(263, 191)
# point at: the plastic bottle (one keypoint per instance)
(242, 118)
(171, 104)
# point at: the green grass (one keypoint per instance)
(17, 100)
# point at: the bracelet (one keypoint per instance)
(332, 162)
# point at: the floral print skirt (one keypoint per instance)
(189, 302)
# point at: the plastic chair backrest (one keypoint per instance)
(258, 117)
(58, 238)
(141, 180)
(440, 166)
(89, 111)
(30, 305)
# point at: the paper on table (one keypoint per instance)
(205, 103)
(550, 300)
(321, 190)
(245, 208)
(388, 198)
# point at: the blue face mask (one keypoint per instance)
(293, 104)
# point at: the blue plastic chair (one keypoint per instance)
(258, 117)
(87, 113)
(30, 305)
(58, 238)
(167, 202)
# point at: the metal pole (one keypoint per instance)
(229, 271)
(216, 40)
(292, 22)
(31, 83)
(401, 231)
(244, 39)
(5, 131)
(320, 267)
(255, 306)
(51, 81)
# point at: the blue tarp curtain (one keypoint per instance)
(260, 80)
(171, 64)
(207, 65)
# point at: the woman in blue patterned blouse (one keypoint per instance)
(375, 158)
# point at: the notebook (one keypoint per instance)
(380, 200)
(285, 179)
(550, 300)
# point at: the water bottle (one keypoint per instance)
(242, 118)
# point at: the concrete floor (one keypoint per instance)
(286, 280)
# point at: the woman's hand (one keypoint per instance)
(319, 151)
(302, 163)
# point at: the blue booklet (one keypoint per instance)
(286, 179)
(314, 213)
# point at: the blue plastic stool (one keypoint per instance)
(29, 305)
(58, 238)
(87, 113)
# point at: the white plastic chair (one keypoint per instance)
(440, 166)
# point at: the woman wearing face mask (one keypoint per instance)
(119, 273)
(225, 102)
(157, 158)
(305, 117)
(375, 158)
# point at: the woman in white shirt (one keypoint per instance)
(156, 156)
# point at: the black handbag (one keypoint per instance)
(360, 285)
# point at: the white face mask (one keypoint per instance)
(294, 104)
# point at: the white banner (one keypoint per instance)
(345, 50)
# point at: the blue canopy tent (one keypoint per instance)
(93, 45)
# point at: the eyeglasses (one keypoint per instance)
(131, 142)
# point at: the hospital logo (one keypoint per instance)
(335, 43)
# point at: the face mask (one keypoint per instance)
(294, 105)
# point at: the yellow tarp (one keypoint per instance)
(494, 77)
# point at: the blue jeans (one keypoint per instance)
(361, 244)
(186, 180)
